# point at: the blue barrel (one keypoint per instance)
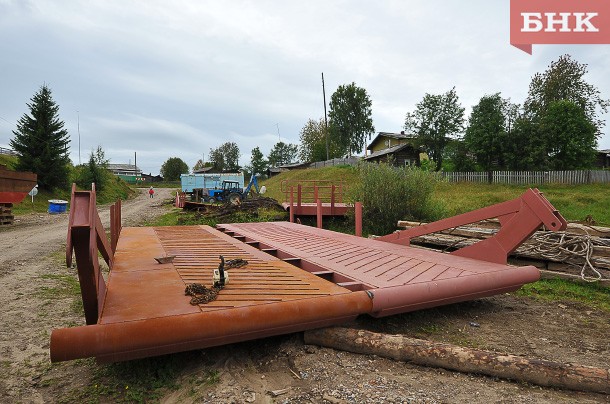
(57, 206)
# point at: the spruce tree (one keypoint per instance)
(41, 142)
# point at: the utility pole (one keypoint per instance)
(278, 132)
(78, 127)
(325, 119)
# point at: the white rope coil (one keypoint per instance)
(570, 248)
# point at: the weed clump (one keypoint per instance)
(389, 194)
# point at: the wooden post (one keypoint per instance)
(358, 218)
(315, 192)
(291, 204)
(319, 213)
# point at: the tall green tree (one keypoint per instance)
(456, 157)
(258, 164)
(95, 171)
(486, 133)
(436, 120)
(172, 168)
(573, 134)
(226, 157)
(525, 147)
(282, 153)
(350, 118)
(42, 143)
(313, 142)
(564, 80)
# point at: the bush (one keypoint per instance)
(389, 194)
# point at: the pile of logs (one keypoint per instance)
(581, 249)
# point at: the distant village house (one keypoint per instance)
(127, 172)
(398, 148)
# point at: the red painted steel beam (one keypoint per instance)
(358, 218)
(409, 297)
(86, 237)
(319, 214)
(163, 335)
(299, 195)
(519, 219)
(291, 213)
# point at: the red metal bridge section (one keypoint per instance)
(297, 278)
(398, 279)
(301, 198)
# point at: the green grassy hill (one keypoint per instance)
(339, 173)
(8, 160)
(575, 202)
(115, 189)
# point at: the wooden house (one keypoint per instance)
(399, 148)
(603, 159)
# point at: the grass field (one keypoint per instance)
(575, 202)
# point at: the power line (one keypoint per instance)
(6, 120)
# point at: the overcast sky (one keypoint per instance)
(174, 79)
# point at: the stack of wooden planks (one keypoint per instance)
(580, 250)
(6, 214)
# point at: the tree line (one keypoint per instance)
(556, 128)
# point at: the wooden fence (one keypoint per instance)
(4, 150)
(351, 161)
(532, 177)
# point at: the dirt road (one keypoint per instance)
(32, 263)
(37, 294)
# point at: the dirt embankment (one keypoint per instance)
(35, 298)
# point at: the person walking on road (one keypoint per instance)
(151, 192)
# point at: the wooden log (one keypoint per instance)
(451, 357)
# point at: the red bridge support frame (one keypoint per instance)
(519, 219)
(87, 237)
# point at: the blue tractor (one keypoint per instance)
(233, 193)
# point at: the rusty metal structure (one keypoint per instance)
(297, 278)
(314, 197)
(14, 187)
